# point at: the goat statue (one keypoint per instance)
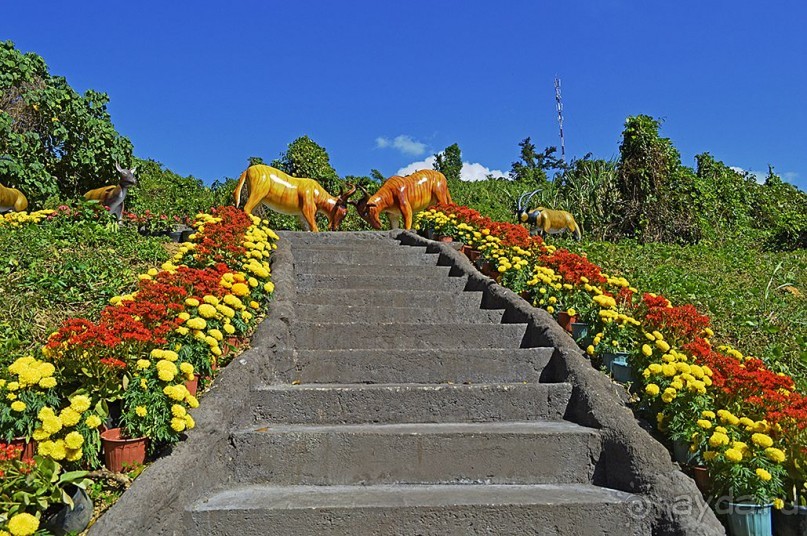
(112, 197)
(12, 200)
(545, 221)
(299, 197)
(403, 197)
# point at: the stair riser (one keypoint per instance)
(390, 298)
(331, 458)
(392, 366)
(460, 520)
(399, 404)
(373, 270)
(386, 315)
(371, 281)
(401, 336)
(358, 257)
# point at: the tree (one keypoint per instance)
(53, 141)
(532, 166)
(377, 175)
(256, 161)
(449, 162)
(305, 158)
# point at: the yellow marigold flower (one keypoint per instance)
(652, 389)
(646, 350)
(184, 315)
(178, 410)
(721, 429)
(269, 287)
(709, 455)
(93, 421)
(662, 345)
(707, 414)
(143, 364)
(47, 383)
(74, 440)
(175, 392)
(216, 334)
(143, 383)
(252, 282)
(212, 300)
(775, 455)
(233, 301)
(74, 455)
(225, 310)
(677, 385)
(733, 455)
(170, 355)
(240, 289)
(763, 474)
(550, 309)
(18, 405)
(44, 448)
(229, 329)
(141, 411)
(69, 417)
(177, 424)
(571, 312)
(157, 353)
(191, 302)
(668, 369)
(590, 349)
(166, 375)
(254, 304)
(58, 451)
(668, 396)
(705, 424)
(13, 386)
(182, 330)
(186, 368)
(23, 524)
(718, 439)
(762, 440)
(196, 323)
(190, 424)
(40, 435)
(207, 311)
(192, 401)
(778, 503)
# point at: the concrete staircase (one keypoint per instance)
(407, 409)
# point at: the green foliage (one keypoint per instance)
(755, 298)
(53, 271)
(256, 161)
(781, 209)
(53, 141)
(532, 167)
(655, 189)
(162, 191)
(305, 158)
(449, 162)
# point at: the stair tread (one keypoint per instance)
(508, 427)
(406, 386)
(407, 495)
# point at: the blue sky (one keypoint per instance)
(201, 86)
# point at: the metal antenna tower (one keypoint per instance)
(559, 103)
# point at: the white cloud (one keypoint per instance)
(469, 172)
(405, 144)
(790, 176)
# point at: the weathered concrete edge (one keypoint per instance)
(634, 461)
(156, 501)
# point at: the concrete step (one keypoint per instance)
(359, 257)
(409, 403)
(390, 298)
(338, 237)
(383, 315)
(385, 270)
(537, 452)
(315, 336)
(367, 281)
(480, 365)
(456, 510)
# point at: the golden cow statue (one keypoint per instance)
(299, 197)
(403, 197)
(113, 197)
(12, 200)
(545, 221)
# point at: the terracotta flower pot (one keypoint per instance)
(28, 447)
(471, 253)
(702, 479)
(565, 321)
(120, 453)
(193, 385)
(444, 238)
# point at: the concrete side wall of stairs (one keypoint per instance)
(526, 437)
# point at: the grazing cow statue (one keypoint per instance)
(403, 197)
(12, 200)
(113, 197)
(299, 197)
(545, 221)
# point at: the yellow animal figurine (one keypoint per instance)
(546, 221)
(112, 197)
(12, 200)
(299, 197)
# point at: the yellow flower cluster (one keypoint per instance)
(26, 373)
(15, 219)
(53, 433)
(22, 524)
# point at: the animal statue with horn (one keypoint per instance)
(402, 197)
(543, 220)
(299, 197)
(112, 197)
(12, 200)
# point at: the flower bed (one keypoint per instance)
(129, 368)
(745, 423)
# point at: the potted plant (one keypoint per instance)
(38, 493)
(26, 386)
(616, 343)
